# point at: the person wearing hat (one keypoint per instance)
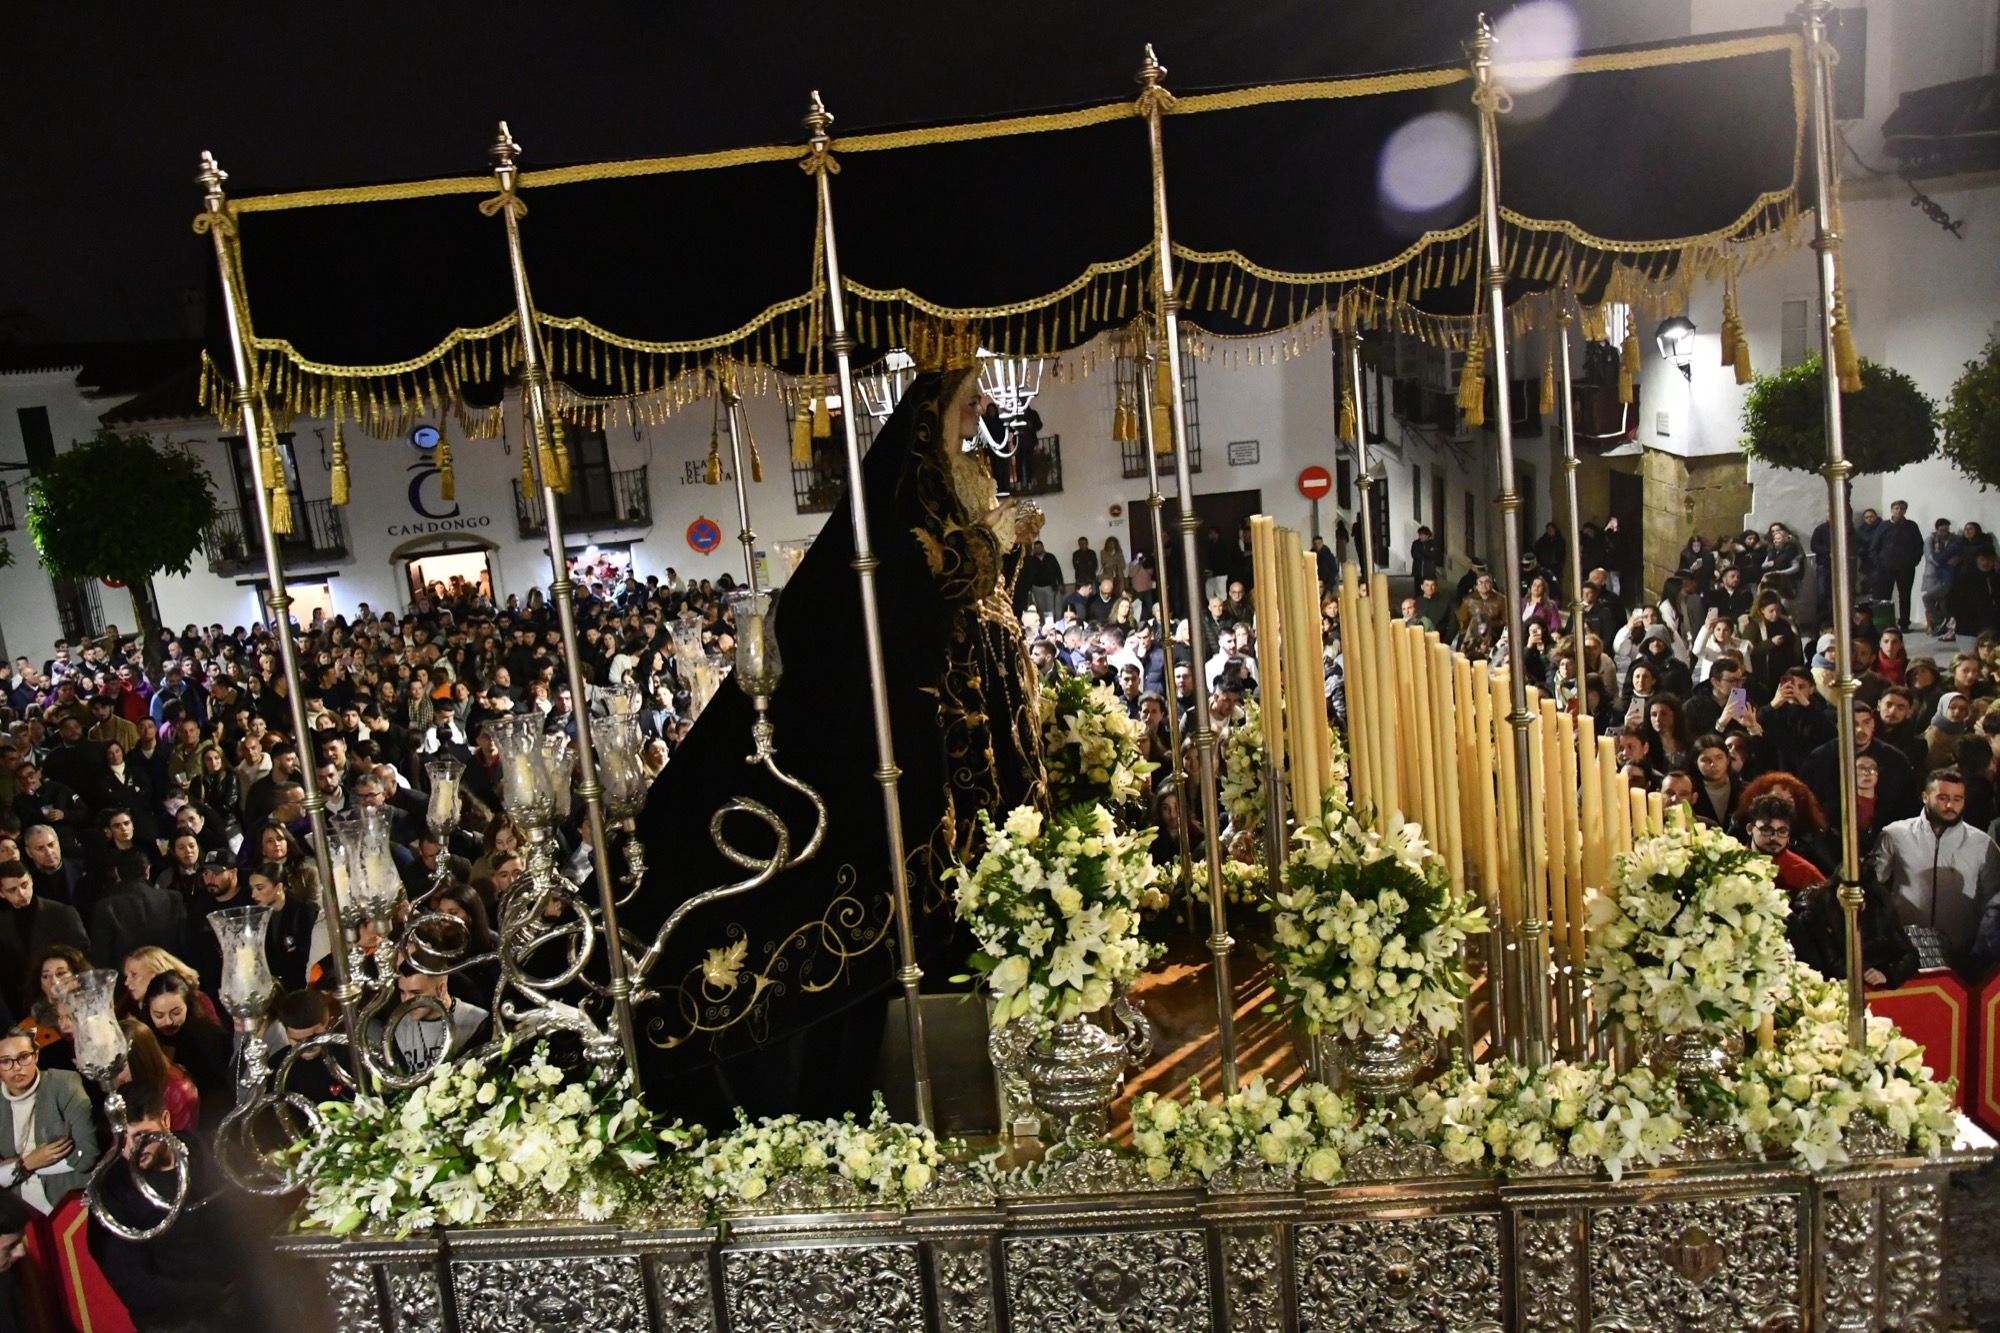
(107, 726)
(1470, 578)
(224, 886)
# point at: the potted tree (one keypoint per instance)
(1972, 419)
(119, 508)
(1887, 424)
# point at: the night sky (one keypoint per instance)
(107, 106)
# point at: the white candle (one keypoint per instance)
(98, 1041)
(519, 777)
(444, 802)
(753, 647)
(244, 979)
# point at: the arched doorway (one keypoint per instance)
(443, 558)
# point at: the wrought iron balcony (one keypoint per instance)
(318, 533)
(598, 501)
(7, 520)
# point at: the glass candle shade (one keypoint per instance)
(445, 773)
(758, 668)
(624, 782)
(370, 888)
(557, 763)
(246, 970)
(97, 1039)
(526, 788)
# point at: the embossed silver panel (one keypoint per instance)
(350, 1290)
(415, 1303)
(1848, 1252)
(1253, 1279)
(827, 1289)
(1913, 1244)
(1132, 1281)
(1548, 1270)
(1721, 1264)
(681, 1293)
(604, 1293)
(962, 1286)
(1400, 1273)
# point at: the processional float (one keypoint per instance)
(1720, 1240)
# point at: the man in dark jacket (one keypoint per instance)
(1897, 554)
(1083, 560)
(1897, 795)
(28, 923)
(1797, 721)
(131, 913)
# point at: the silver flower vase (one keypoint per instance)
(1378, 1067)
(1073, 1073)
(1694, 1061)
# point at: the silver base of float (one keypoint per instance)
(1722, 1244)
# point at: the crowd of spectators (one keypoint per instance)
(137, 800)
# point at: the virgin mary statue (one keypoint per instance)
(774, 1000)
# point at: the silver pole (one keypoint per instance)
(1534, 969)
(1826, 242)
(1151, 71)
(1578, 1034)
(1156, 506)
(732, 405)
(1364, 520)
(820, 165)
(535, 391)
(221, 230)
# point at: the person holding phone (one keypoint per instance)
(1725, 705)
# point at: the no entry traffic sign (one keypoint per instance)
(1315, 482)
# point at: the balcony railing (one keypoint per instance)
(7, 520)
(596, 502)
(317, 534)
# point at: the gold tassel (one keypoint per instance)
(1345, 425)
(447, 483)
(1628, 355)
(281, 508)
(1624, 384)
(561, 450)
(1549, 376)
(1730, 333)
(822, 420)
(802, 438)
(756, 461)
(339, 481)
(714, 455)
(527, 471)
(1163, 428)
(267, 453)
(1472, 385)
(1845, 362)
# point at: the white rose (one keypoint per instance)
(1009, 976)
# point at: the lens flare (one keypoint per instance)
(1428, 163)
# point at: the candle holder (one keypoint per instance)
(625, 785)
(101, 1051)
(445, 774)
(526, 788)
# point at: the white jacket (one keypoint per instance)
(1938, 882)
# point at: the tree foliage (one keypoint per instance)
(1972, 419)
(1888, 424)
(120, 508)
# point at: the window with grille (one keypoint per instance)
(1132, 453)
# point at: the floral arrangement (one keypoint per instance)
(1800, 1095)
(1091, 748)
(1244, 883)
(474, 1145)
(1054, 905)
(1303, 1132)
(1513, 1118)
(1367, 933)
(887, 1162)
(1244, 759)
(1690, 935)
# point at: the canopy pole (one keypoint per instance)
(1826, 244)
(821, 166)
(1153, 101)
(1156, 505)
(221, 230)
(1533, 969)
(535, 391)
(1364, 525)
(1577, 1034)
